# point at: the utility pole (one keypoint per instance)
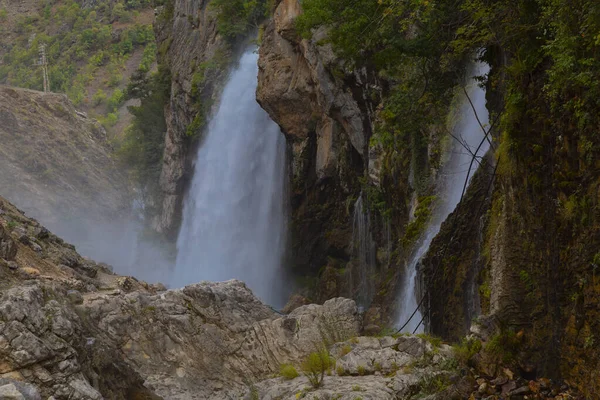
(44, 64)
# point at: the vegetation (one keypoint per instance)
(143, 142)
(418, 225)
(504, 345)
(316, 365)
(235, 18)
(288, 371)
(431, 384)
(86, 52)
(465, 351)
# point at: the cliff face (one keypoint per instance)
(523, 248)
(326, 113)
(188, 42)
(56, 162)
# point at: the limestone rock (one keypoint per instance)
(367, 368)
(24, 390)
(10, 392)
(8, 249)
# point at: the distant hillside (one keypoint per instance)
(56, 162)
(92, 46)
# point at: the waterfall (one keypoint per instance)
(362, 266)
(234, 216)
(450, 189)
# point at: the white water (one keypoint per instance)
(234, 217)
(451, 185)
(362, 267)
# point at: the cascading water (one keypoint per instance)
(451, 184)
(363, 256)
(234, 216)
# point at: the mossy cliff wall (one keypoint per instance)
(531, 246)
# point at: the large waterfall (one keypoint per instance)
(468, 130)
(234, 215)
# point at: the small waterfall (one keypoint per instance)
(234, 216)
(450, 189)
(363, 256)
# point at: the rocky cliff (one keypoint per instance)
(56, 162)
(196, 56)
(326, 112)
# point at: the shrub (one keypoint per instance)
(466, 350)
(315, 366)
(288, 371)
(110, 120)
(435, 341)
(98, 97)
(346, 349)
(236, 17)
(3, 14)
(116, 99)
(503, 345)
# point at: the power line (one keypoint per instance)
(43, 62)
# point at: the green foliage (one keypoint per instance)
(435, 341)
(418, 225)
(3, 14)
(236, 18)
(504, 345)
(287, 371)
(148, 58)
(433, 383)
(346, 349)
(115, 100)
(142, 146)
(206, 71)
(315, 366)
(109, 120)
(466, 349)
(79, 41)
(119, 13)
(99, 97)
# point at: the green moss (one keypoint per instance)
(504, 345)
(419, 224)
(466, 349)
(435, 341)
